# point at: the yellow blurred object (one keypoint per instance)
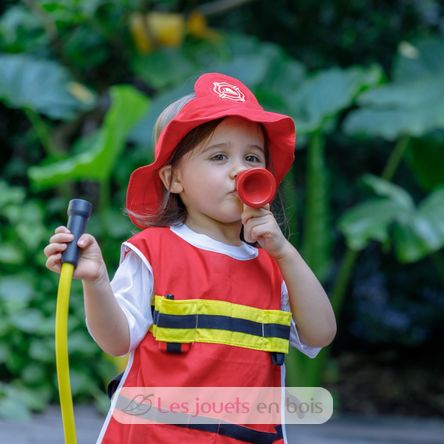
(140, 33)
(168, 29)
(156, 29)
(80, 92)
(198, 27)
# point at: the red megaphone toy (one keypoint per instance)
(256, 187)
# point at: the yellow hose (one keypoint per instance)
(62, 360)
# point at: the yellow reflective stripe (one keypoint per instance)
(222, 308)
(183, 307)
(233, 338)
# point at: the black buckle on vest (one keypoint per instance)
(172, 347)
(277, 358)
(113, 384)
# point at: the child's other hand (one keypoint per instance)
(261, 226)
(90, 266)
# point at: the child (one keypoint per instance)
(190, 263)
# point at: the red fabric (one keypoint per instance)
(188, 272)
(217, 95)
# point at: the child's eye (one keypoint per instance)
(253, 158)
(219, 156)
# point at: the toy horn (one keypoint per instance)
(256, 187)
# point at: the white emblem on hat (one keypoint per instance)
(228, 91)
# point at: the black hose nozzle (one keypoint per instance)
(79, 211)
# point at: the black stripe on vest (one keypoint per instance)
(222, 323)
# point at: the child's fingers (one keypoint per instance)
(85, 240)
(53, 262)
(249, 212)
(61, 238)
(54, 248)
(62, 229)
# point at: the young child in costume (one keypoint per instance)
(189, 269)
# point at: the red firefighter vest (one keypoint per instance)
(221, 316)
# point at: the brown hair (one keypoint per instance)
(173, 210)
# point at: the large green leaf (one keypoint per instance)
(128, 106)
(44, 86)
(415, 231)
(413, 104)
(411, 108)
(321, 97)
(164, 67)
(368, 221)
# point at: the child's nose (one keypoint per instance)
(237, 169)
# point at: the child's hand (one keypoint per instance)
(261, 226)
(90, 266)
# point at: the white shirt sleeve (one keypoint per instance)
(295, 341)
(132, 286)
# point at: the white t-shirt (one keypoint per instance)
(133, 280)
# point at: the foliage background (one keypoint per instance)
(81, 83)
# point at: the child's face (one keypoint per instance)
(206, 175)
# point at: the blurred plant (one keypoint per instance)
(316, 106)
(27, 309)
(100, 150)
(407, 110)
(42, 87)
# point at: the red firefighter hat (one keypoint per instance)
(216, 96)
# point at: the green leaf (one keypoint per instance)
(42, 350)
(423, 233)
(417, 92)
(284, 74)
(21, 30)
(44, 86)
(128, 106)
(368, 221)
(395, 123)
(10, 195)
(19, 397)
(16, 291)
(29, 320)
(422, 58)
(81, 383)
(13, 409)
(412, 105)
(417, 232)
(11, 254)
(321, 97)
(33, 374)
(31, 214)
(165, 67)
(387, 189)
(425, 157)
